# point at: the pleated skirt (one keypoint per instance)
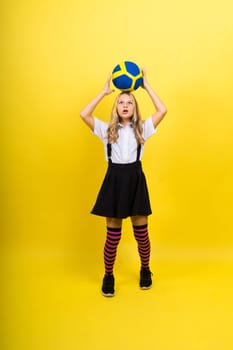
(123, 192)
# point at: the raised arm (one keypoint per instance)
(161, 109)
(86, 112)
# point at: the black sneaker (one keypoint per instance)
(145, 278)
(108, 286)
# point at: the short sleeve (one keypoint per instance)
(148, 128)
(100, 129)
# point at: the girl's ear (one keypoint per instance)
(135, 118)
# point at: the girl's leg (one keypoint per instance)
(110, 251)
(111, 243)
(140, 224)
(140, 228)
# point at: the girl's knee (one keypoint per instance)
(139, 220)
(114, 222)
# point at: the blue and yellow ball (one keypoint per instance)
(127, 76)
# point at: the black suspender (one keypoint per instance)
(109, 152)
(138, 152)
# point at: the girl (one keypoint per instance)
(124, 190)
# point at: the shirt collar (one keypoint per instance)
(121, 126)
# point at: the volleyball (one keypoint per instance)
(127, 76)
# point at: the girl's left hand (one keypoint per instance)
(145, 81)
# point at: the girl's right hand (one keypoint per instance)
(107, 88)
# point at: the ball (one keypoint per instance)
(127, 76)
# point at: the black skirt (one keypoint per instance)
(123, 193)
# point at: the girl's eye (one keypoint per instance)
(122, 102)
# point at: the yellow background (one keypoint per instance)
(56, 57)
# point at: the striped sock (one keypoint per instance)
(142, 238)
(110, 248)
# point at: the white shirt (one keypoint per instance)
(124, 150)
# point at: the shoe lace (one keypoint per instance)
(146, 273)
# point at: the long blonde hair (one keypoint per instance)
(112, 132)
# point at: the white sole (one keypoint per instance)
(108, 294)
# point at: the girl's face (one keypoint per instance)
(125, 107)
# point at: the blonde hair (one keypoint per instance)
(112, 132)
